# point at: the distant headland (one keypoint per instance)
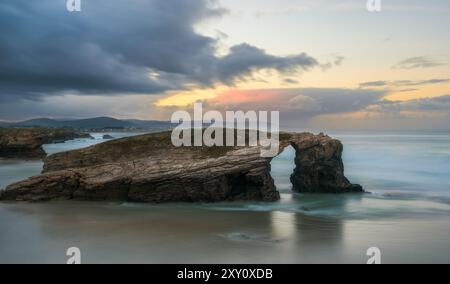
(96, 124)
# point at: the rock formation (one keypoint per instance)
(148, 168)
(319, 167)
(27, 143)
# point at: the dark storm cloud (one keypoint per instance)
(112, 46)
(244, 58)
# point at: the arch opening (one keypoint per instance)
(282, 167)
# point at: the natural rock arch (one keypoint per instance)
(148, 168)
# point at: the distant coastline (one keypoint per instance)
(96, 124)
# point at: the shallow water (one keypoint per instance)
(130, 233)
(406, 216)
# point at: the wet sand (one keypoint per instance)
(135, 233)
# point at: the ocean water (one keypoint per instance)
(406, 215)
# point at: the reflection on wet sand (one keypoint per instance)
(135, 233)
(156, 234)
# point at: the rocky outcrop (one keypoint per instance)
(319, 167)
(148, 168)
(27, 143)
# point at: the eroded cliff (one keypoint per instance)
(24, 143)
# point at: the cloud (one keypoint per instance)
(244, 59)
(403, 83)
(290, 81)
(304, 103)
(435, 104)
(116, 47)
(411, 115)
(297, 103)
(408, 90)
(72, 106)
(338, 61)
(417, 62)
(374, 84)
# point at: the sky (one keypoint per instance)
(324, 64)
